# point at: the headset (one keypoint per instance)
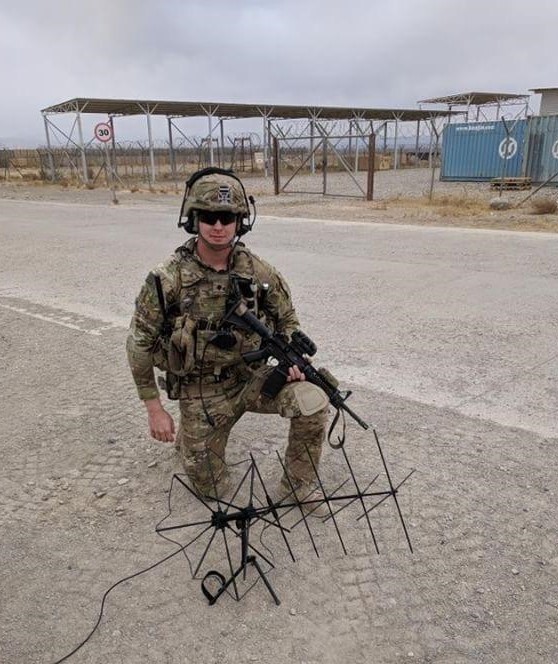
(190, 225)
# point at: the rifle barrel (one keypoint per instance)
(355, 416)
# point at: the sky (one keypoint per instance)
(362, 53)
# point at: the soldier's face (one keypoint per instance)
(217, 235)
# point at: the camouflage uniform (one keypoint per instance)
(215, 386)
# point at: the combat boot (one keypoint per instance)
(211, 493)
(311, 497)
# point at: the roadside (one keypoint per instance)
(400, 197)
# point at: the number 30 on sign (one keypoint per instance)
(103, 132)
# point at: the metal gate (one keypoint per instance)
(313, 163)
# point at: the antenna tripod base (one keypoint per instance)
(225, 583)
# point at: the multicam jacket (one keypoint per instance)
(195, 295)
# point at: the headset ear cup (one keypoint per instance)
(243, 228)
(191, 226)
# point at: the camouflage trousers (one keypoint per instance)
(202, 445)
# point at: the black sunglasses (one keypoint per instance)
(212, 217)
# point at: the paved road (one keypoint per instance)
(463, 319)
(447, 339)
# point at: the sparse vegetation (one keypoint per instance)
(544, 205)
(459, 202)
(454, 205)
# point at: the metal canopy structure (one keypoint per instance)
(480, 100)
(360, 123)
(228, 110)
(474, 98)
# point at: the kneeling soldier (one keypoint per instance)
(178, 326)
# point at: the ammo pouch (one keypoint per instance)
(180, 351)
(175, 356)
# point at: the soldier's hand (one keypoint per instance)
(161, 424)
(295, 374)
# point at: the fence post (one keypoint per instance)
(324, 164)
(371, 163)
(49, 150)
(171, 151)
(82, 149)
(276, 165)
(431, 192)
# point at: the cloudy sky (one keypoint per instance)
(378, 53)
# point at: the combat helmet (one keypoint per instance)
(215, 190)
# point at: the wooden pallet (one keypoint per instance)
(511, 183)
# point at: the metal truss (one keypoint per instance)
(484, 106)
(356, 123)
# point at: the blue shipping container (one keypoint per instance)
(541, 163)
(479, 151)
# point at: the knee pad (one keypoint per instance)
(309, 397)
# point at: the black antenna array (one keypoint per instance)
(250, 511)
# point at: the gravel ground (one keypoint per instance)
(399, 197)
(447, 338)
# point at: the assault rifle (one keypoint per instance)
(288, 354)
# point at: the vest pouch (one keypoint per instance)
(212, 355)
(181, 347)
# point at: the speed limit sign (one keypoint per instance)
(103, 132)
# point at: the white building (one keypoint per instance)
(549, 100)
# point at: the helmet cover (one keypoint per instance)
(216, 193)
